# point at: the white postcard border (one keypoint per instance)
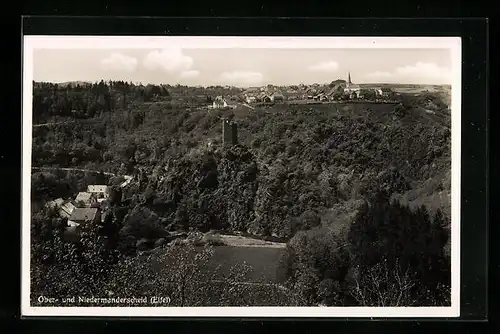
(136, 42)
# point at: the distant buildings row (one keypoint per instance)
(264, 97)
(315, 92)
(356, 91)
(338, 90)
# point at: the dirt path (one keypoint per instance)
(246, 105)
(128, 178)
(50, 124)
(241, 241)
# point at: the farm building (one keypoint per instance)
(81, 216)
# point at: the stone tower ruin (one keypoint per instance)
(229, 132)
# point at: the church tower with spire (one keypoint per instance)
(352, 89)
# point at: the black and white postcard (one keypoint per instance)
(241, 176)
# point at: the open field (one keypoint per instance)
(240, 241)
(313, 102)
(408, 88)
(263, 260)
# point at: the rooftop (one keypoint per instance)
(68, 206)
(83, 197)
(55, 203)
(96, 188)
(83, 214)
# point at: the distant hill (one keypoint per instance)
(81, 83)
(337, 82)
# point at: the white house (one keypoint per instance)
(219, 102)
(251, 99)
(100, 190)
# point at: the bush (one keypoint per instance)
(392, 256)
(403, 241)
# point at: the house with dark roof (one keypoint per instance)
(66, 209)
(277, 97)
(55, 204)
(81, 216)
(264, 97)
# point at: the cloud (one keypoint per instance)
(119, 62)
(379, 75)
(419, 73)
(241, 77)
(425, 70)
(170, 60)
(190, 74)
(327, 66)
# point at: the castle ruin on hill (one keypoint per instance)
(229, 132)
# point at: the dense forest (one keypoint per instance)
(351, 188)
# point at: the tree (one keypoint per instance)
(381, 286)
(186, 276)
(368, 94)
(101, 178)
(408, 243)
(65, 269)
(400, 110)
(115, 195)
(315, 266)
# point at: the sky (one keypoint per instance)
(244, 67)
